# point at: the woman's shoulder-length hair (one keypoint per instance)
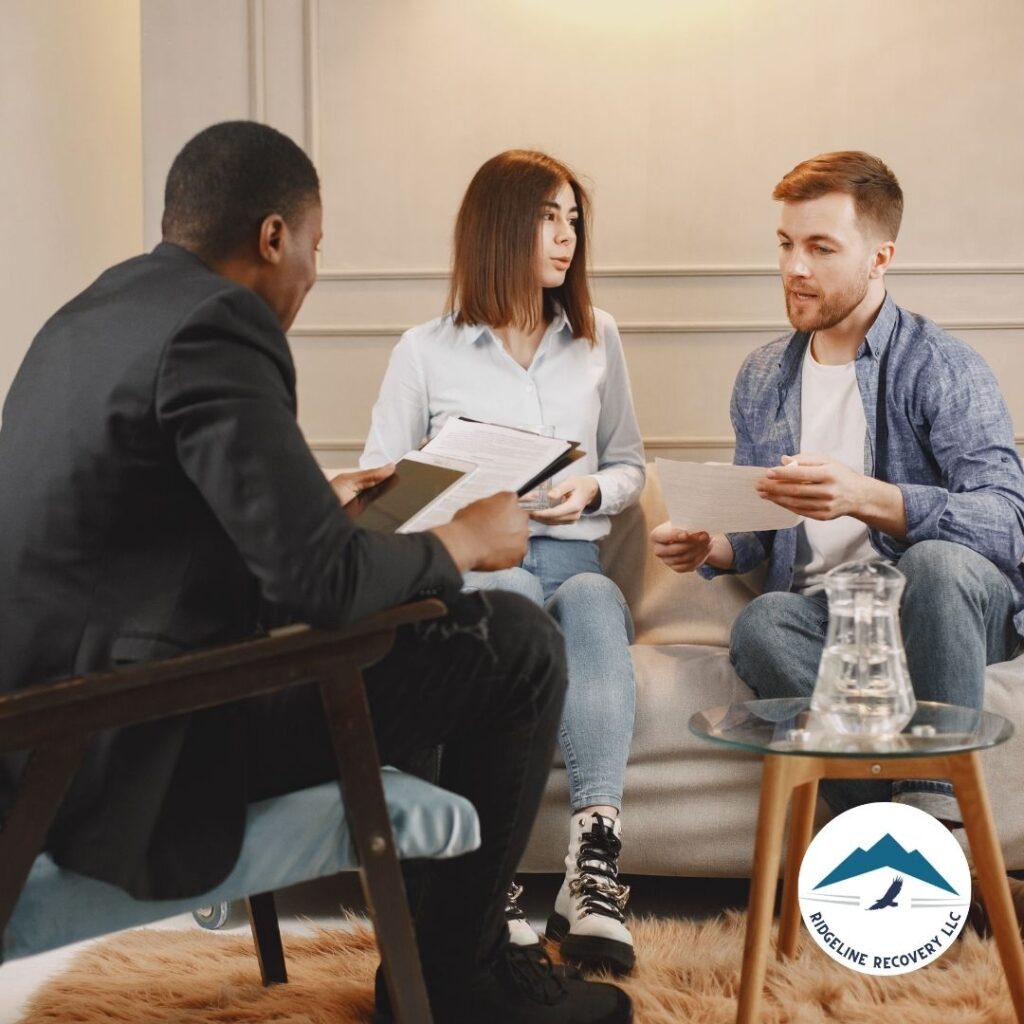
(493, 278)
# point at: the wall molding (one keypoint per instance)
(336, 330)
(312, 105)
(355, 444)
(651, 444)
(682, 271)
(311, 79)
(257, 60)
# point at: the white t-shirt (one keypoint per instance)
(832, 423)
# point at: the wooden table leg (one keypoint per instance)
(776, 785)
(965, 774)
(801, 825)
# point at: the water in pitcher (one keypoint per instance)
(863, 686)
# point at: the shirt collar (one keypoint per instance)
(561, 322)
(470, 333)
(877, 339)
(173, 251)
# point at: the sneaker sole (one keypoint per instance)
(591, 950)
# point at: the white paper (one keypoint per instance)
(719, 498)
(506, 460)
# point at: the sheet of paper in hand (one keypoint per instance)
(719, 498)
(506, 459)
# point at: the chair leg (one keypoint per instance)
(44, 781)
(267, 936)
(348, 717)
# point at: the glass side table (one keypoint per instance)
(942, 741)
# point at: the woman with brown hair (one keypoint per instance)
(521, 345)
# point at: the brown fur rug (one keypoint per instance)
(687, 972)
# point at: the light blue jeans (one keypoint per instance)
(565, 577)
(956, 618)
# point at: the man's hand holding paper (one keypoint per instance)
(351, 484)
(818, 487)
(705, 502)
(719, 498)
(684, 551)
(491, 533)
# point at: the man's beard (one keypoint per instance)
(832, 309)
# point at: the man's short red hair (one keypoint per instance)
(877, 195)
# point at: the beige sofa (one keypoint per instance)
(690, 807)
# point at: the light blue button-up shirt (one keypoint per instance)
(439, 369)
(938, 429)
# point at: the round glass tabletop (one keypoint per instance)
(788, 726)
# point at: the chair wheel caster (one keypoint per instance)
(212, 917)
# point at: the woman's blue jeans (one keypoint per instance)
(565, 577)
(956, 618)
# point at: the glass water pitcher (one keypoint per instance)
(863, 686)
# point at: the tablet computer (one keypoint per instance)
(419, 480)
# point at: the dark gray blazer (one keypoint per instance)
(155, 491)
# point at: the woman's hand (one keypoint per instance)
(569, 498)
(350, 485)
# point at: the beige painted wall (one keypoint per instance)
(681, 113)
(71, 169)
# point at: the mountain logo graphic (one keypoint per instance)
(886, 853)
(884, 888)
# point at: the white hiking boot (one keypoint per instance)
(588, 918)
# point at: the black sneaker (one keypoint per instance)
(521, 987)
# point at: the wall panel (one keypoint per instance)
(682, 115)
(71, 174)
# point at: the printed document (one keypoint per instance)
(719, 498)
(506, 459)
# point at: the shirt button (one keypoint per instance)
(529, 387)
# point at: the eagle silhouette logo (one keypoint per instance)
(889, 899)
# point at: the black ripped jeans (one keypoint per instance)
(488, 682)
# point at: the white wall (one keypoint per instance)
(682, 114)
(71, 169)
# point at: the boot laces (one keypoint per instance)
(512, 908)
(597, 883)
(534, 974)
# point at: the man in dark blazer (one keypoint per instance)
(156, 496)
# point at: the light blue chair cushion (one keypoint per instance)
(288, 839)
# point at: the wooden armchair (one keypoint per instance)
(43, 906)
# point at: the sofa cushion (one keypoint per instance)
(669, 608)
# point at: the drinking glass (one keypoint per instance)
(538, 497)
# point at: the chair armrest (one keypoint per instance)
(49, 713)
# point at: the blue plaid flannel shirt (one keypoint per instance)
(938, 429)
